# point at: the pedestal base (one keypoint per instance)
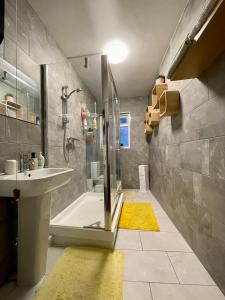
(33, 232)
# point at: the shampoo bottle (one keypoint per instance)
(41, 161)
(33, 161)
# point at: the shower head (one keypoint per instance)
(65, 96)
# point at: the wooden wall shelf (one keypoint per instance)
(169, 103)
(207, 46)
(147, 126)
(157, 91)
(148, 129)
(154, 117)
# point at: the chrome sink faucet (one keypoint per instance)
(24, 163)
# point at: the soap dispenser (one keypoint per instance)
(33, 161)
(41, 161)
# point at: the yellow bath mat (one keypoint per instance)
(138, 215)
(84, 274)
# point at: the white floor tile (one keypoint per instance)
(166, 225)
(164, 241)
(148, 266)
(189, 269)
(24, 293)
(136, 291)
(160, 213)
(128, 240)
(185, 292)
(53, 255)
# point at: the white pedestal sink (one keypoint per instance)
(33, 217)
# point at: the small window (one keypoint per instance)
(125, 130)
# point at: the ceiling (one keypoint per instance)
(85, 26)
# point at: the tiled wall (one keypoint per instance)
(187, 159)
(34, 47)
(138, 152)
(17, 136)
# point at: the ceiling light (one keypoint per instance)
(116, 52)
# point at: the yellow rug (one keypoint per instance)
(138, 215)
(84, 274)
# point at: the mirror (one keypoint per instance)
(19, 94)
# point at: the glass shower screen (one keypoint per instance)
(112, 185)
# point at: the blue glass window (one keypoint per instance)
(125, 130)
(123, 120)
(124, 140)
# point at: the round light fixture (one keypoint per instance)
(116, 52)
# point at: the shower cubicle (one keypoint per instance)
(87, 133)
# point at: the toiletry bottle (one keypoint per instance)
(85, 124)
(41, 161)
(94, 122)
(33, 161)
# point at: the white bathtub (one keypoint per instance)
(82, 223)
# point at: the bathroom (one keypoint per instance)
(107, 106)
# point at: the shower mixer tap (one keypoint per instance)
(72, 139)
(71, 142)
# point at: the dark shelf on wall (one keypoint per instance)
(206, 47)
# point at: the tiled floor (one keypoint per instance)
(161, 265)
(158, 265)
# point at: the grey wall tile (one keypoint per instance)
(213, 196)
(23, 35)
(197, 188)
(2, 127)
(173, 156)
(10, 51)
(216, 77)
(195, 156)
(194, 94)
(12, 130)
(27, 65)
(217, 157)
(10, 20)
(8, 151)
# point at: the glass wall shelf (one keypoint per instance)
(19, 94)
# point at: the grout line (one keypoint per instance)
(189, 141)
(164, 251)
(141, 241)
(173, 268)
(149, 284)
(174, 283)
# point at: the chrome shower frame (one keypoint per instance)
(106, 79)
(107, 83)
